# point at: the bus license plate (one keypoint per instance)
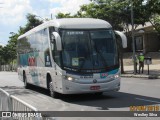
(94, 87)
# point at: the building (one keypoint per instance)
(146, 39)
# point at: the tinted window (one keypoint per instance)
(89, 50)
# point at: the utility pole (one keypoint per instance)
(133, 42)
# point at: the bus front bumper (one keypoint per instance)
(77, 88)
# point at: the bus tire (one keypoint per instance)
(25, 81)
(52, 93)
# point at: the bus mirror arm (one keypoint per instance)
(57, 40)
(123, 38)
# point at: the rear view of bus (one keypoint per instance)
(83, 57)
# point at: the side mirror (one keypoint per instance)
(55, 38)
(123, 38)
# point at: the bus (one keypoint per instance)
(70, 56)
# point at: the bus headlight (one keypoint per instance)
(116, 76)
(70, 78)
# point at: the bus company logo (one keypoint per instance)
(6, 114)
(103, 75)
(32, 61)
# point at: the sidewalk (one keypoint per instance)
(154, 72)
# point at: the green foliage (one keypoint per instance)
(153, 10)
(101, 11)
(155, 21)
(62, 15)
(1, 54)
(32, 22)
(118, 12)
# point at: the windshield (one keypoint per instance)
(89, 50)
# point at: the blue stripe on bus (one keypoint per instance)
(104, 75)
(113, 72)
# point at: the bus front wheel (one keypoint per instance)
(25, 81)
(53, 94)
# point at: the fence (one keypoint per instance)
(12, 67)
(11, 103)
(4, 101)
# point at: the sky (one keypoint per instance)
(13, 12)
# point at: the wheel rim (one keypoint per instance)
(51, 89)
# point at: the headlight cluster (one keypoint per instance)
(70, 78)
(116, 76)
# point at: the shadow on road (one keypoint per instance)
(111, 100)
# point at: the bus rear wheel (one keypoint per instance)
(25, 81)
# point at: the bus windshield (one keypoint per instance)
(88, 50)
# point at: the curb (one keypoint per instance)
(141, 76)
(134, 76)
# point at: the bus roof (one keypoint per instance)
(71, 23)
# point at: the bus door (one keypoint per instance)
(57, 75)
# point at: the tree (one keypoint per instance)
(32, 22)
(62, 15)
(107, 10)
(153, 10)
(155, 21)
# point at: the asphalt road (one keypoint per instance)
(133, 92)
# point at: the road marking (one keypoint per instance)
(148, 100)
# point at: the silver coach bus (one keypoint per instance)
(70, 56)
